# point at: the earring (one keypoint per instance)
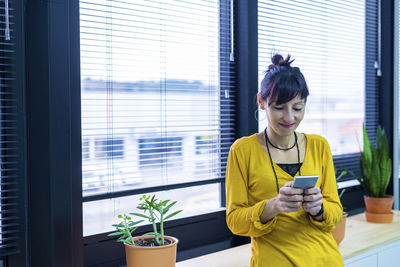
(256, 115)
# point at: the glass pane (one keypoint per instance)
(150, 104)
(150, 93)
(329, 48)
(98, 216)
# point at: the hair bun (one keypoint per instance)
(277, 59)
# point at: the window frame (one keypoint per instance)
(52, 119)
(183, 229)
(18, 255)
(53, 123)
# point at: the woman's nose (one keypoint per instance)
(288, 117)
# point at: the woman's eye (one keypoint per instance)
(278, 108)
(297, 109)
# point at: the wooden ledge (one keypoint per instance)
(360, 237)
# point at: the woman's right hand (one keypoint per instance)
(289, 199)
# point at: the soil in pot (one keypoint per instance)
(150, 242)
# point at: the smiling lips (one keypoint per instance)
(287, 125)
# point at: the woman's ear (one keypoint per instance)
(260, 101)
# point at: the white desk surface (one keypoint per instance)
(360, 237)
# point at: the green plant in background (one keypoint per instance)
(343, 173)
(157, 212)
(376, 165)
(125, 229)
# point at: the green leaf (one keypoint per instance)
(123, 237)
(116, 233)
(164, 203)
(166, 209)
(341, 193)
(375, 164)
(140, 215)
(151, 233)
(141, 207)
(343, 173)
(356, 177)
(172, 214)
(132, 230)
(135, 223)
(366, 154)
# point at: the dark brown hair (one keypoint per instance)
(283, 82)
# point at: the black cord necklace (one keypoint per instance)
(284, 149)
(270, 158)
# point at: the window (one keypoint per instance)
(109, 148)
(159, 152)
(11, 174)
(206, 144)
(85, 149)
(156, 101)
(330, 49)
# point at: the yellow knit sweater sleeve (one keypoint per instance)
(333, 209)
(242, 218)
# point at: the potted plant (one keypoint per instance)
(151, 249)
(339, 231)
(376, 170)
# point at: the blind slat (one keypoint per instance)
(9, 126)
(155, 79)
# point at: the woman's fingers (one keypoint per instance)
(289, 184)
(312, 198)
(287, 209)
(291, 191)
(291, 198)
(313, 210)
(290, 206)
(312, 191)
(311, 205)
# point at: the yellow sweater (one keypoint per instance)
(289, 239)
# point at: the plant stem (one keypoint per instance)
(129, 232)
(154, 225)
(162, 229)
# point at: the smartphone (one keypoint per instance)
(305, 181)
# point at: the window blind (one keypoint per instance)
(327, 41)
(9, 193)
(157, 96)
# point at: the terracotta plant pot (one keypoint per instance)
(165, 256)
(379, 210)
(339, 231)
(379, 204)
(379, 217)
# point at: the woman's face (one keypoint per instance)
(284, 118)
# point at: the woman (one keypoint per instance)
(288, 226)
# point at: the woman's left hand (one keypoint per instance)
(312, 200)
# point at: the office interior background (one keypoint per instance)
(102, 101)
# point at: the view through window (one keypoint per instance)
(151, 114)
(329, 48)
